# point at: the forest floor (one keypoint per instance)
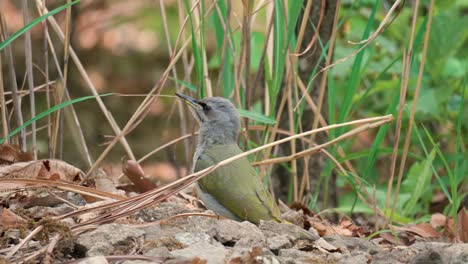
(48, 219)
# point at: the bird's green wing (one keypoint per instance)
(236, 185)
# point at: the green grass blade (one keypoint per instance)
(227, 71)
(436, 174)
(380, 137)
(35, 22)
(279, 50)
(196, 52)
(355, 72)
(49, 111)
(421, 171)
(189, 86)
(256, 116)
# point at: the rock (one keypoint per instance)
(157, 231)
(439, 253)
(93, 260)
(351, 244)
(273, 228)
(171, 243)
(229, 232)
(162, 211)
(293, 256)
(294, 217)
(188, 239)
(356, 258)
(279, 242)
(203, 251)
(162, 252)
(252, 255)
(111, 239)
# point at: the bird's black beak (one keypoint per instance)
(194, 104)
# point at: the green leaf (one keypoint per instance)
(190, 86)
(418, 181)
(256, 116)
(49, 111)
(35, 22)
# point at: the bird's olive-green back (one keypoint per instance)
(236, 185)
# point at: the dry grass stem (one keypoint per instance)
(403, 92)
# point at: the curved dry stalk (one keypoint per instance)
(66, 187)
(136, 203)
(322, 146)
(143, 109)
(415, 102)
(14, 86)
(24, 241)
(304, 23)
(29, 72)
(366, 42)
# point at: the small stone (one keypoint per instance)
(106, 240)
(351, 244)
(358, 258)
(162, 211)
(93, 260)
(162, 252)
(188, 239)
(208, 252)
(279, 242)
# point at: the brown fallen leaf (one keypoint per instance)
(8, 218)
(424, 230)
(325, 229)
(48, 169)
(11, 153)
(462, 226)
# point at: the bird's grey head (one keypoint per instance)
(218, 118)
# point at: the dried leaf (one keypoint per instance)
(423, 230)
(8, 218)
(462, 223)
(42, 169)
(11, 153)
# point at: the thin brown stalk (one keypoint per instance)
(139, 113)
(151, 197)
(47, 78)
(317, 30)
(397, 131)
(404, 88)
(86, 191)
(323, 81)
(366, 42)
(310, 151)
(48, 258)
(183, 127)
(28, 57)
(52, 132)
(415, 103)
(371, 201)
(14, 86)
(3, 105)
(24, 241)
(292, 142)
(43, 10)
(312, 105)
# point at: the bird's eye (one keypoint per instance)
(205, 106)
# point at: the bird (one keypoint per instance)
(234, 190)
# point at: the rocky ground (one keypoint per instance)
(154, 235)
